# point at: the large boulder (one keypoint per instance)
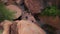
(16, 10)
(35, 6)
(28, 27)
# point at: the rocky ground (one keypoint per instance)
(26, 10)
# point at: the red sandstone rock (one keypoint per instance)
(34, 6)
(54, 22)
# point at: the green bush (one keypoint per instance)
(51, 11)
(5, 14)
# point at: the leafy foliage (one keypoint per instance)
(51, 11)
(5, 14)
